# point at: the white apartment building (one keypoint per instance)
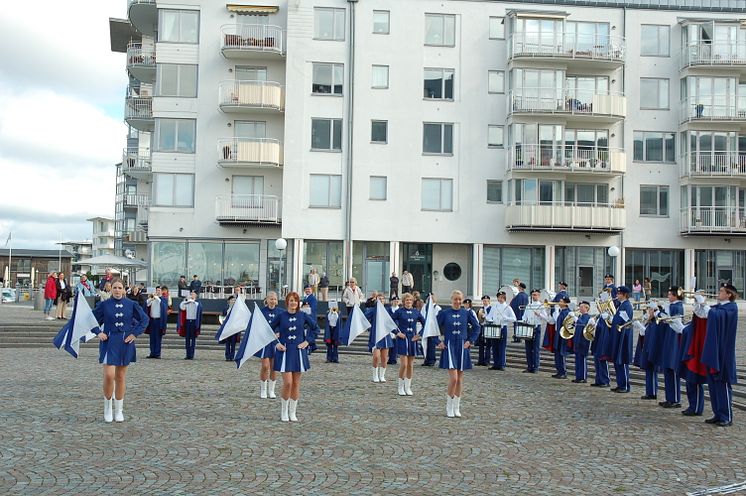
(102, 240)
(468, 142)
(81, 251)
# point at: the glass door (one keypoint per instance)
(376, 272)
(585, 281)
(419, 262)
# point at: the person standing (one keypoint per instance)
(230, 341)
(107, 278)
(63, 295)
(157, 320)
(561, 347)
(407, 341)
(351, 297)
(50, 294)
(190, 322)
(123, 320)
(393, 286)
(518, 304)
(562, 293)
(379, 349)
(407, 282)
(85, 287)
(454, 344)
(310, 300)
(647, 287)
(483, 359)
(580, 344)
(267, 373)
(331, 335)
(621, 341)
(105, 293)
(670, 352)
(646, 354)
(393, 355)
(195, 286)
(433, 340)
(182, 286)
(637, 293)
(536, 315)
(324, 287)
(313, 280)
(502, 315)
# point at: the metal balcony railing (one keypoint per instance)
(713, 220)
(567, 159)
(247, 209)
(252, 38)
(251, 94)
(714, 164)
(134, 163)
(137, 55)
(565, 216)
(567, 101)
(249, 151)
(136, 200)
(717, 54)
(568, 46)
(727, 107)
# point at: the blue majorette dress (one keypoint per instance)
(385, 342)
(118, 319)
(406, 320)
(291, 331)
(454, 324)
(269, 314)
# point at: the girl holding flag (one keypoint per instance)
(291, 357)
(267, 374)
(407, 341)
(123, 320)
(454, 344)
(379, 349)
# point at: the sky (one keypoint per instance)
(61, 129)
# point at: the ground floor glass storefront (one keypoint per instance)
(502, 264)
(715, 267)
(583, 269)
(665, 268)
(325, 257)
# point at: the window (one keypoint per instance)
(380, 77)
(497, 28)
(326, 191)
(175, 135)
(329, 24)
(250, 73)
(494, 191)
(178, 26)
(653, 93)
(439, 84)
(326, 134)
(327, 79)
(654, 201)
(377, 187)
(437, 194)
(250, 129)
(654, 147)
(177, 80)
(381, 22)
(495, 136)
(173, 190)
(379, 131)
(438, 138)
(247, 185)
(655, 40)
(496, 82)
(440, 29)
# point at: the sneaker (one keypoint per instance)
(48, 317)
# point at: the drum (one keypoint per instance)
(491, 331)
(524, 330)
(547, 295)
(510, 292)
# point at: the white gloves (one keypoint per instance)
(677, 326)
(701, 310)
(699, 299)
(623, 315)
(639, 327)
(605, 315)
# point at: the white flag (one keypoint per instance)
(431, 328)
(259, 335)
(79, 328)
(384, 323)
(237, 320)
(358, 324)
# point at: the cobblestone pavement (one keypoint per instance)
(200, 428)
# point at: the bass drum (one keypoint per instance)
(510, 292)
(547, 295)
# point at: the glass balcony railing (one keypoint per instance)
(716, 54)
(714, 108)
(247, 209)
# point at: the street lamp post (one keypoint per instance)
(281, 244)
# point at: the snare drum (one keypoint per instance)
(491, 331)
(523, 330)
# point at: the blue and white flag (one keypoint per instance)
(236, 321)
(384, 323)
(430, 328)
(258, 335)
(357, 325)
(79, 328)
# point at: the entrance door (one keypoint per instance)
(418, 260)
(725, 275)
(585, 281)
(375, 275)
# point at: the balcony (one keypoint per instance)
(136, 165)
(135, 200)
(141, 62)
(717, 55)
(252, 41)
(730, 110)
(143, 14)
(138, 109)
(249, 152)
(714, 164)
(591, 50)
(567, 160)
(247, 210)
(713, 220)
(580, 106)
(134, 236)
(563, 216)
(248, 96)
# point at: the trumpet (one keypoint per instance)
(692, 294)
(670, 318)
(630, 323)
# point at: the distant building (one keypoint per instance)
(30, 267)
(102, 239)
(81, 251)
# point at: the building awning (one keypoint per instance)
(252, 9)
(538, 14)
(685, 21)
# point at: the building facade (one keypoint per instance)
(80, 251)
(29, 268)
(467, 142)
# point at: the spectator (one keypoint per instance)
(407, 282)
(183, 287)
(324, 287)
(63, 295)
(352, 296)
(313, 280)
(50, 294)
(105, 293)
(647, 287)
(394, 285)
(107, 278)
(85, 286)
(139, 297)
(196, 285)
(310, 299)
(637, 293)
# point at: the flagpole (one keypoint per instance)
(10, 261)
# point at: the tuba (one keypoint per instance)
(589, 331)
(567, 331)
(608, 307)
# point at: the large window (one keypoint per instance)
(278, 266)
(381, 21)
(379, 131)
(655, 40)
(206, 260)
(326, 191)
(329, 24)
(503, 263)
(494, 191)
(326, 134)
(173, 190)
(251, 73)
(177, 80)
(653, 93)
(664, 268)
(654, 147)
(327, 79)
(438, 84)
(247, 185)
(438, 138)
(241, 264)
(168, 262)
(497, 28)
(496, 82)
(175, 135)
(440, 29)
(654, 201)
(378, 187)
(379, 77)
(325, 257)
(178, 26)
(437, 194)
(495, 136)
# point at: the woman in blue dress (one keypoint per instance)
(267, 374)
(379, 350)
(407, 341)
(454, 344)
(121, 320)
(291, 357)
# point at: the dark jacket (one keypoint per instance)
(63, 294)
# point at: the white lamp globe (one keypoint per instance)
(281, 244)
(613, 251)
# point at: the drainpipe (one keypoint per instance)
(347, 256)
(622, 255)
